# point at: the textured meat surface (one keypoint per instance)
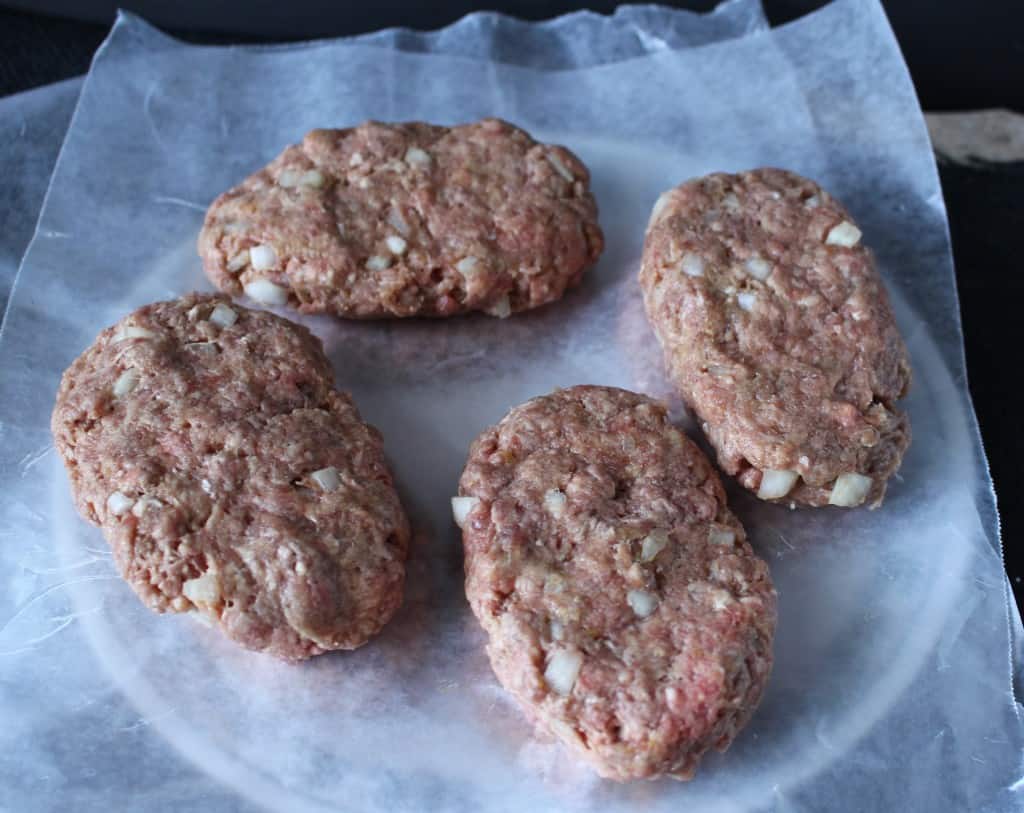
(407, 220)
(778, 332)
(191, 432)
(625, 609)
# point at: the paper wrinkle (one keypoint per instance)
(889, 634)
(179, 202)
(574, 40)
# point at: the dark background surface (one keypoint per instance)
(962, 56)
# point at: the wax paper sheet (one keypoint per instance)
(32, 127)
(892, 684)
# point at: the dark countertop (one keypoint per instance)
(960, 60)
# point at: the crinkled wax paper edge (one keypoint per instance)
(162, 39)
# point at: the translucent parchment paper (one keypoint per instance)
(892, 684)
(32, 127)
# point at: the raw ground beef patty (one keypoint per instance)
(778, 332)
(407, 220)
(625, 610)
(230, 477)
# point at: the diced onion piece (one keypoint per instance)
(396, 245)
(267, 292)
(203, 589)
(776, 483)
(126, 382)
(813, 202)
(263, 257)
(850, 489)
(118, 503)
(356, 159)
(327, 479)
(133, 332)
(692, 265)
(560, 167)
(144, 504)
(554, 501)
(461, 506)
(746, 300)
(653, 544)
(313, 178)
(502, 308)
(553, 583)
(239, 261)
(720, 599)
(378, 263)
(868, 436)
(845, 234)
(731, 202)
(718, 535)
(659, 207)
(642, 602)
(468, 266)
(397, 219)
(288, 178)
(758, 268)
(563, 669)
(557, 630)
(416, 157)
(223, 316)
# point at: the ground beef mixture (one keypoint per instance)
(625, 610)
(231, 478)
(778, 332)
(409, 219)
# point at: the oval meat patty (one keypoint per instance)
(230, 477)
(778, 332)
(407, 220)
(625, 610)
